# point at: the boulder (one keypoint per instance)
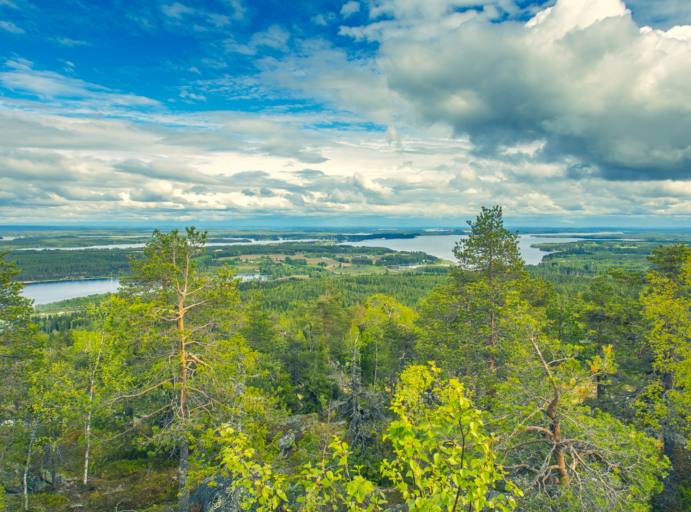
(34, 484)
(13, 482)
(286, 442)
(47, 476)
(218, 498)
(292, 430)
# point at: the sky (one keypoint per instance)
(382, 112)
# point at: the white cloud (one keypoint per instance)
(218, 20)
(274, 37)
(323, 19)
(48, 84)
(365, 183)
(177, 10)
(11, 27)
(350, 8)
(393, 137)
(580, 76)
(199, 97)
(238, 9)
(71, 42)
(570, 15)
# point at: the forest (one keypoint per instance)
(478, 387)
(275, 260)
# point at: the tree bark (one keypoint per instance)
(184, 463)
(183, 468)
(26, 468)
(87, 426)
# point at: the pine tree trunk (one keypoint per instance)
(184, 463)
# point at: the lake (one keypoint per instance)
(54, 291)
(44, 293)
(442, 246)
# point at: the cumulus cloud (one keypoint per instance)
(366, 184)
(580, 77)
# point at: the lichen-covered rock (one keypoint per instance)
(292, 430)
(216, 498)
(47, 476)
(286, 441)
(13, 482)
(299, 422)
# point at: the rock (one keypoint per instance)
(35, 484)
(47, 476)
(219, 498)
(301, 422)
(292, 430)
(13, 482)
(286, 442)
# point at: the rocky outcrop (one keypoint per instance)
(217, 498)
(292, 430)
(13, 483)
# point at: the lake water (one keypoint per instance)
(54, 291)
(442, 246)
(44, 293)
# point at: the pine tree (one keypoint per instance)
(191, 365)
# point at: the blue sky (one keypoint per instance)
(415, 112)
